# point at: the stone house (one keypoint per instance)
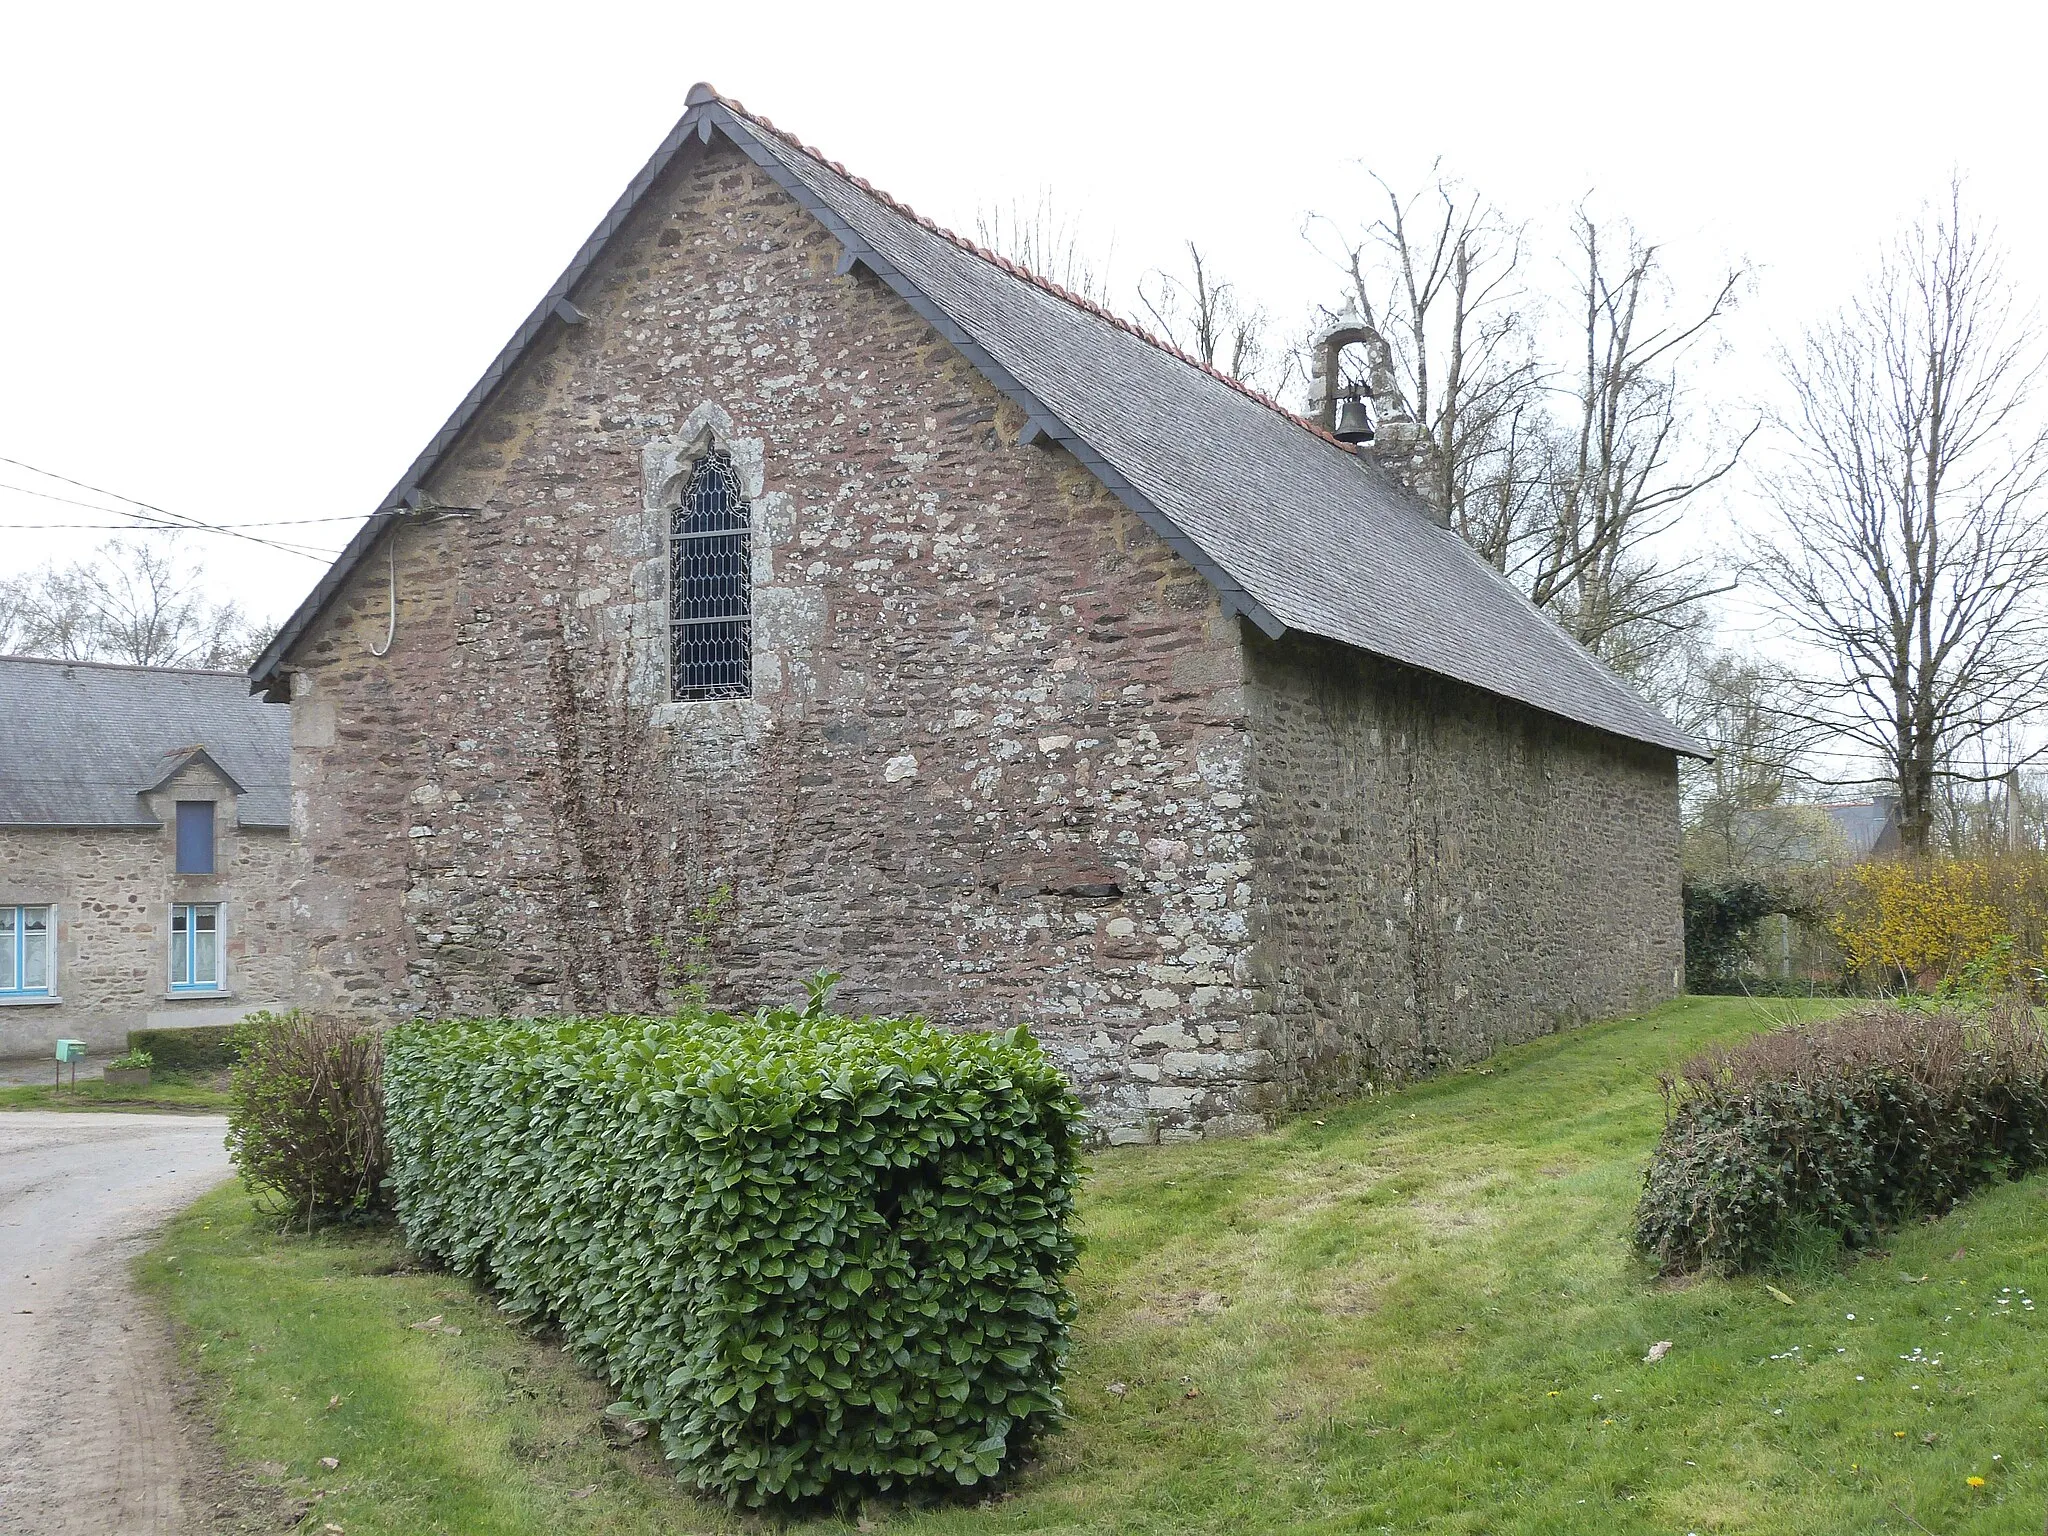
(803, 587)
(145, 851)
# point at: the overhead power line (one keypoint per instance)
(149, 515)
(93, 506)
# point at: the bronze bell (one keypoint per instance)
(1354, 422)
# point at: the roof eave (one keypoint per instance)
(554, 310)
(1041, 424)
(183, 760)
(706, 113)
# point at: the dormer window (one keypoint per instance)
(710, 563)
(195, 837)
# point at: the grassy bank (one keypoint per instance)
(175, 1092)
(1417, 1314)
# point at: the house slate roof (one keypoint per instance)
(85, 740)
(1868, 826)
(1294, 529)
(1822, 833)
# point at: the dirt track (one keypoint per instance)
(90, 1439)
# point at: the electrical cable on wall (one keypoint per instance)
(391, 570)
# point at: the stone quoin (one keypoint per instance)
(1088, 691)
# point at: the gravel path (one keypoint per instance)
(90, 1440)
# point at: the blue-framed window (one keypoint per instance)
(195, 837)
(27, 966)
(195, 947)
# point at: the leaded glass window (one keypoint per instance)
(710, 580)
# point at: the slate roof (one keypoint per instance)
(84, 740)
(1867, 826)
(1294, 529)
(1823, 833)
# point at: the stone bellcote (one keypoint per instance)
(1368, 395)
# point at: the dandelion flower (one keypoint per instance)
(1898, 1434)
(1974, 1482)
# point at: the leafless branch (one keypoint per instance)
(1909, 549)
(133, 601)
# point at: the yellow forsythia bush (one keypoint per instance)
(1923, 920)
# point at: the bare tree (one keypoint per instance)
(134, 602)
(1568, 476)
(1046, 241)
(1207, 318)
(13, 617)
(1741, 710)
(1911, 550)
(1630, 460)
(1438, 273)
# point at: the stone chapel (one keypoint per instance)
(804, 587)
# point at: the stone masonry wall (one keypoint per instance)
(993, 767)
(1005, 761)
(113, 890)
(1441, 872)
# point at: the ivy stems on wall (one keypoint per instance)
(660, 853)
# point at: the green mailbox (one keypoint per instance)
(72, 1051)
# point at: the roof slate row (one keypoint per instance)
(84, 741)
(1295, 530)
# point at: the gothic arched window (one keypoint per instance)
(710, 585)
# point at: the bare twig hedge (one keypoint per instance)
(1843, 1128)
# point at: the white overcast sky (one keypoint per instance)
(253, 256)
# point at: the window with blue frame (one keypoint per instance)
(25, 967)
(195, 837)
(195, 947)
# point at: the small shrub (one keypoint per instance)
(306, 1125)
(198, 1048)
(1846, 1127)
(132, 1061)
(824, 1255)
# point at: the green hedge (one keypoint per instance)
(824, 1255)
(199, 1048)
(1840, 1131)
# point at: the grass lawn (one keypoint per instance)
(191, 1092)
(1415, 1314)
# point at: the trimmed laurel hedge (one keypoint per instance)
(196, 1048)
(824, 1255)
(1840, 1131)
